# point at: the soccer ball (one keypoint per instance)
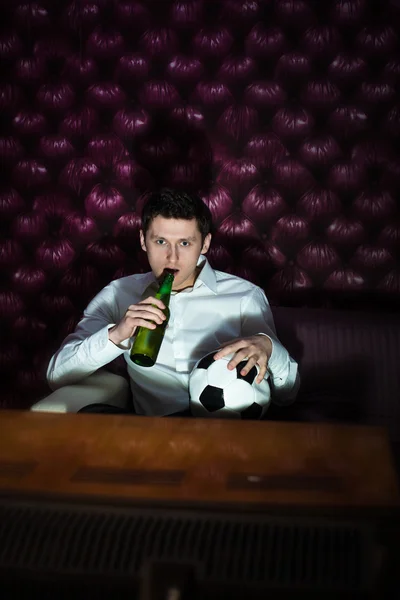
(215, 391)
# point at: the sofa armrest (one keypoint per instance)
(102, 387)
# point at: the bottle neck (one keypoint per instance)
(165, 289)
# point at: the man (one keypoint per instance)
(209, 310)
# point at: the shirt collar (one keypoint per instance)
(206, 277)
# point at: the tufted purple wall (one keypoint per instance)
(283, 114)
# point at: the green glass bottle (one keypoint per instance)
(147, 342)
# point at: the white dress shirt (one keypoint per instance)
(219, 307)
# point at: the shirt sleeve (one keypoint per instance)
(88, 348)
(257, 319)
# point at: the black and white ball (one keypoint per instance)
(215, 391)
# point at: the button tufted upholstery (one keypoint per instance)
(283, 114)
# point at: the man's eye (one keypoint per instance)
(160, 242)
(185, 243)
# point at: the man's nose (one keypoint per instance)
(173, 254)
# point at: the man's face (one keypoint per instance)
(174, 244)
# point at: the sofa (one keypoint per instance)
(349, 364)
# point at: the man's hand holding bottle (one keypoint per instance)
(147, 313)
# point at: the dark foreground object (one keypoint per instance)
(75, 551)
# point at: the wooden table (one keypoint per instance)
(143, 460)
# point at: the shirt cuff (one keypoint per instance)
(103, 348)
(279, 357)
(285, 379)
(125, 344)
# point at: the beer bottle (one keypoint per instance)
(147, 342)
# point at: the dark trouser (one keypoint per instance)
(115, 410)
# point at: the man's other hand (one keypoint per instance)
(255, 349)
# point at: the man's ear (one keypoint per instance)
(206, 243)
(142, 242)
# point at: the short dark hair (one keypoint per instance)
(172, 204)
